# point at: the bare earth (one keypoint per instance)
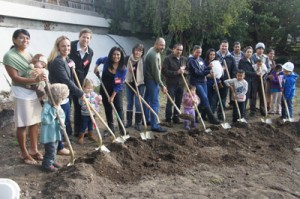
(256, 160)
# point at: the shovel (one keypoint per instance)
(225, 125)
(237, 105)
(286, 106)
(266, 119)
(63, 128)
(144, 101)
(147, 134)
(88, 105)
(125, 136)
(207, 130)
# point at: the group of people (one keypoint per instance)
(45, 97)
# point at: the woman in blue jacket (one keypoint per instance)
(198, 72)
(113, 76)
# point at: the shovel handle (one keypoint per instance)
(72, 158)
(235, 101)
(219, 96)
(226, 68)
(172, 101)
(263, 92)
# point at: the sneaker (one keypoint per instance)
(159, 130)
(51, 169)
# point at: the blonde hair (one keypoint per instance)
(59, 92)
(55, 51)
(87, 82)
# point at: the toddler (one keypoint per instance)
(188, 104)
(275, 90)
(50, 126)
(288, 88)
(240, 88)
(86, 121)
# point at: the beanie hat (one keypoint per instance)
(260, 45)
(289, 66)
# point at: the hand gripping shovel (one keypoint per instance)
(237, 105)
(216, 70)
(88, 105)
(147, 134)
(195, 105)
(266, 119)
(144, 101)
(63, 128)
(286, 106)
(125, 136)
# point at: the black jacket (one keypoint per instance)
(60, 72)
(82, 65)
(230, 61)
(250, 74)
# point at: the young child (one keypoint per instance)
(288, 88)
(275, 90)
(37, 66)
(188, 104)
(86, 121)
(50, 127)
(240, 88)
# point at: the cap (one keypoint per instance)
(289, 66)
(260, 45)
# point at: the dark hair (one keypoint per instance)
(278, 67)
(17, 33)
(176, 45)
(240, 71)
(121, 65)
(192, 87)
(270, 50)
(138, 47)
(224, 41)
(208, 52)
(236, 43)
(196, 47)
(258, 61)
(247, 48)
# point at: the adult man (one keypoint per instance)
(172, 71)
(259, 48)
(237, 53)
(153, 81)
(82, 55)
(224, 56)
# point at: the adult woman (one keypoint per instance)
(210, 56)
(26, 104)
(246, 64)
(135, 65)
(198, 72)
(60, 72)
(113, 76)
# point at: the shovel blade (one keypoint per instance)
(120, 140)
(242, 120)
(104, 149)
(125, 137)
(208, 130)
(143, 136)
(226, 126)
(149, 135)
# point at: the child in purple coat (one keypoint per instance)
(188, 103)
(275, 90)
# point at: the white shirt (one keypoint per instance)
(82, 53)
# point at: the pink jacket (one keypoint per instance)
(188, 101)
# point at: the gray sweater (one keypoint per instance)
(241, 88)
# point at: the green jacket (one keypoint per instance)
(153, 66)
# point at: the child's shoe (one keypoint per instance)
(51, 169)
(91, 136)
(57, 165)
(194, 125)
(80, 138)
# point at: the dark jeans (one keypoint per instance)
(67, 109)
(235, 114)
(50, 154)
(108, 108)
(77, 115)
(289, 103)
(257, 89)
(216, 103)
(175, 91)
(132, 99)
(86, 122)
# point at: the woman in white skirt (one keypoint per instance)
(26, 104)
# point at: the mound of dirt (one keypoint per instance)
(172, 154)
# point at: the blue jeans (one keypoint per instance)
(176, 92)
(67, 109)
(50, 154)
(86, 122)
(215, 105)
(133, 99)
(201, 91)
(289, 103)
(152, 95)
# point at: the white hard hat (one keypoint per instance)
(260, 45)
(289, 66)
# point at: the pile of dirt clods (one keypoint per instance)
(172, 154)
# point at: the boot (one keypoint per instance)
(129, 119)
(91, 136)
(80, 138)
(138, 121)
(194, 125)
(203, 114)
(212, 119)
